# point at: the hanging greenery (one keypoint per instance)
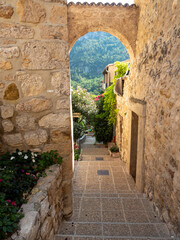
(110, 97)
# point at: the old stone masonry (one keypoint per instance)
(35, 39)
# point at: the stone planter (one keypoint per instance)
(44, 210)
(114, 154)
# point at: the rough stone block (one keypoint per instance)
(9, 52)
(31, 85)
(53, 120)
(58, 15)
(54, 32)
(34, 105)
(46, 228)
(25, 123)
(30, 11)
(7, 125)
(2, 85)
(44, 209)
(13, 140)
(11, 92)
(7, 111)
(58, 136)
(59, 82)
(63, 103)
(10, 30)
(6, 11)
(44, 55)
(5, 65)
(29, 225)
(35, 138)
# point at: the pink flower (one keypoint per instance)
(27, 173)
(22, 170)
(35, 177)
(1, 180)
(13, 204)
(8, 201)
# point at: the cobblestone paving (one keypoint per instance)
(109, 206)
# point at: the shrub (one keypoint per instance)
(78, 130)
(114, 148)
(103, 130)
(9, 217)
(77, 152)
(19, 173)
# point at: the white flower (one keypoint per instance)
(33, 160)
(35, 155)
(12, 158)
(26, 157)
(19, 153)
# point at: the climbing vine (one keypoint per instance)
(110, 97)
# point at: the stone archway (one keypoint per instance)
(117, 20)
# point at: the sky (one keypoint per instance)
(104, 1)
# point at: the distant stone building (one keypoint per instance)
(108, 74)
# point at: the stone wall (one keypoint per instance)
(35, 81)
(154, 79)
(43, 212)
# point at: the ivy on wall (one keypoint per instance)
(110, 97)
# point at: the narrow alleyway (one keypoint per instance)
(106, 202)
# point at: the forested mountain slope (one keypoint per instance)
(89, 56)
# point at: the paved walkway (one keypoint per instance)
(107, 205)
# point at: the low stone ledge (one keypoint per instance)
(43, 211)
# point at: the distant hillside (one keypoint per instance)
(89, 56)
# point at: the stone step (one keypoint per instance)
(93, 146)
(94, 151)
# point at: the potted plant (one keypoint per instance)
(114, 151)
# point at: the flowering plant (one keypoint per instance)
(19, 173)
(82, 102)
(77, 152)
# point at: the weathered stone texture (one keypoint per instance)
(31, 11)
(60, 82)
(9, 52)
(63, 103)
(13, 140)
(5, 65)
(6, 11)
(58, 136)
(54, 32)
(10, 30)
(58, 15)
(7, 111)
(7, 125)
(25, 123)
(36, 138)
(53, 120)
(34, 105)
(44, 55)
(11, 92)
(31, 85)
